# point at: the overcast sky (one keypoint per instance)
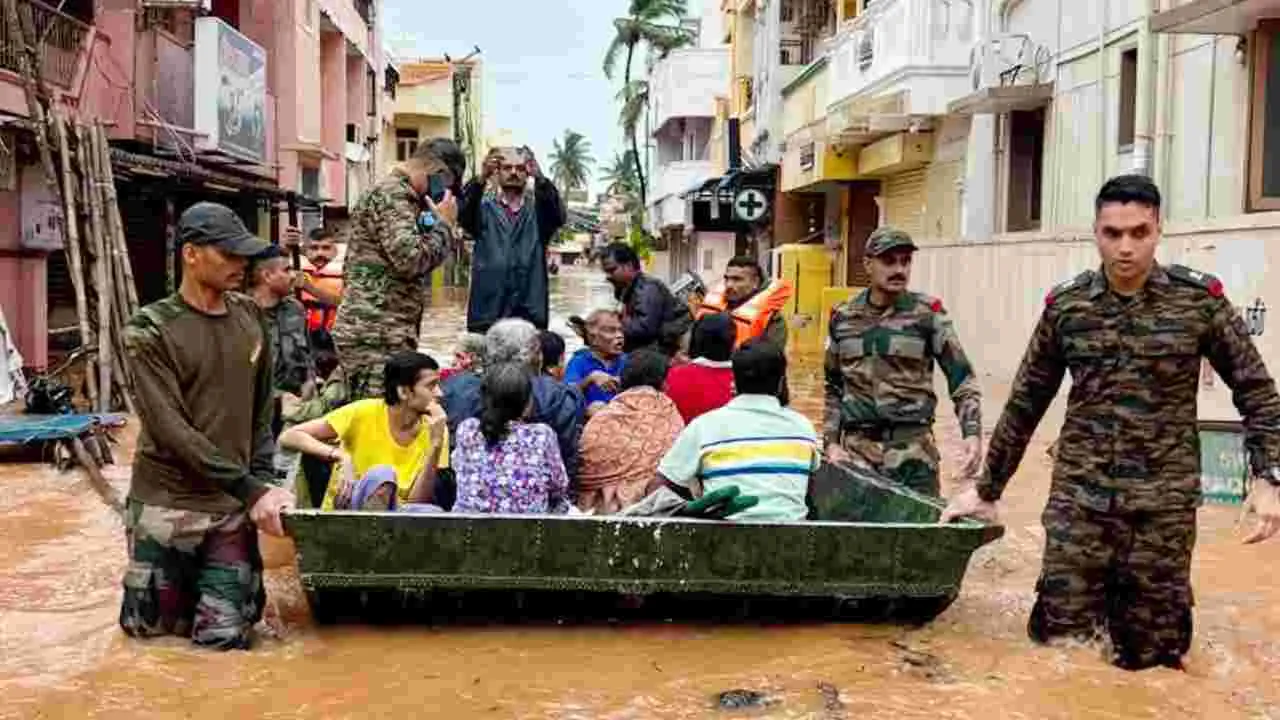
(542, 63)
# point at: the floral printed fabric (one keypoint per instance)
(521, 474)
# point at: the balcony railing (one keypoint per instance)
(59, 40)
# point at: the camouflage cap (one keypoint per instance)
(886, 238)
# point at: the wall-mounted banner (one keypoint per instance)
(231, 91)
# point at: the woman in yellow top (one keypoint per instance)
(389, 449)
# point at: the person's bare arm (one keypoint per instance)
(314, 438)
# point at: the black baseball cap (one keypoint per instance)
(208, 223)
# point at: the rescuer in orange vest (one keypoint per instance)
(756, 306)
(321, 284)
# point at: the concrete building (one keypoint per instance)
(683, 88)
(258, 104)
(986, 129)
(424, 108)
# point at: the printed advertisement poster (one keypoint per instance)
(231, 91)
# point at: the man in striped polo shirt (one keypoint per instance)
(768, 451)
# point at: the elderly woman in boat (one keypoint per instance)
(596, 368)
(504, 463)
(554, 403)
(624, 441)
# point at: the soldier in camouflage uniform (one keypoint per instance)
(201, 486)
(1120, 523)
(399, 233)
(880, 356)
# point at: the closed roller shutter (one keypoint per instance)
(942, 209)
(904, 201)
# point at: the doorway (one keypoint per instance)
(864, 217)
(1026, 163)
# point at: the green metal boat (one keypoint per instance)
(870, 551)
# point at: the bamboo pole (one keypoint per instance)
(111, 199)
(123, 295)
(101, 271)
(75, 260)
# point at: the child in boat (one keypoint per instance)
(705, 383)
(398, 441)
(503, 463)
(552, 354)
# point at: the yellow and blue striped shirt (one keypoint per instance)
(753, 442)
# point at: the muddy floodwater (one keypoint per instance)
(62, 655)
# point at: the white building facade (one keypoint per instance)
(992, 125)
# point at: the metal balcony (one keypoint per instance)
(59, 41)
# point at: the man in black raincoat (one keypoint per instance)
(511, 221)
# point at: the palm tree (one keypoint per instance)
(620, 174)
(571, 161)
(656, 24)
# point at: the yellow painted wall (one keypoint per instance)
(895, 154)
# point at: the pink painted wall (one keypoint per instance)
(23, 287)
(333, 81)
(357, 93)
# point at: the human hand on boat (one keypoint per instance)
(1264, 501)
(971, 456)
(837, 455)
(265, 513)
(968, 505)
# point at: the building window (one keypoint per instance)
(406, 143)
(351, 132)
(373, 93)
(708, 260)
(1128, 97)
(866, 49)
(1026, 164)
(1264, 125)
(309, 182)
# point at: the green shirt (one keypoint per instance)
(203, 388)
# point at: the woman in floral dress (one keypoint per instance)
(503, 464)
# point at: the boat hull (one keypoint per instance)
(872, 545)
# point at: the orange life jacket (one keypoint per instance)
(752, 317)
(321, 315)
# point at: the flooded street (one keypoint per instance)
(62, 655)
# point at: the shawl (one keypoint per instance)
(621, 447)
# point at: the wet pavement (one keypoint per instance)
(62, 655)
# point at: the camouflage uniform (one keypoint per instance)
(1120, 521)
(290, 346)
(880, 403)
(385, 281)
(192, 574)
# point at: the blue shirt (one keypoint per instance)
(580, 367)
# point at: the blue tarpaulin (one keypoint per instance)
(38, 428)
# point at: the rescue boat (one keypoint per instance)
(870, 551)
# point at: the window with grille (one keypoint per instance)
(406, 143)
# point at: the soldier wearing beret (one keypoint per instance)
(881, 352)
